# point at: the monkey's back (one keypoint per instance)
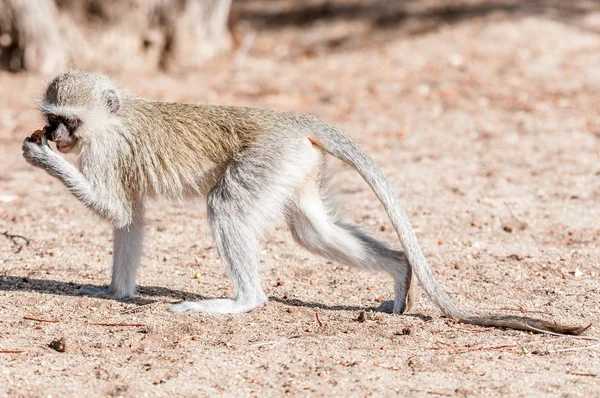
(171, 147)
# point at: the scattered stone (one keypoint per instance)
(404, 332)
(59, 345)
(361, 317)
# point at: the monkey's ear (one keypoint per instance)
(112, 100)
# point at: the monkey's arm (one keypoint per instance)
(42, 156)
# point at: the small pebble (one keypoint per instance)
(361, 317)
(59, 345)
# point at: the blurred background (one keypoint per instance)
(49, 35)
(484, 114)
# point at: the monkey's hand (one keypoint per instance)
(41, 155)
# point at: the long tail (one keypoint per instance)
(339, 145)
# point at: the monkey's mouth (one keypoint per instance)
(64, 148)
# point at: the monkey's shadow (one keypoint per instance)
(45, 286)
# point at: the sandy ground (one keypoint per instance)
(484, 117)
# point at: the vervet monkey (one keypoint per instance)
(253, 166)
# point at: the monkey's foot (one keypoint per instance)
(104, 293)
(389, 308)
(217, 306)
(386, 306)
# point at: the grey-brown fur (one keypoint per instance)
(254, 167)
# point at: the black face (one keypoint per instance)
(62, 130)
(70, 123)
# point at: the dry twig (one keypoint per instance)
(116, 324)
(13, 352)
(433, 393)
(265, 343)
(13, 238)
(318, 320)
(584, 374)
(459, 350)
(39, 319)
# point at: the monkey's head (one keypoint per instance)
(78, 104)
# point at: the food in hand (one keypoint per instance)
(37, 135)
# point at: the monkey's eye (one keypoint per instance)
(52, 119)
(71, 123)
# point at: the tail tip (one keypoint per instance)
(566, 329)
(577, 330)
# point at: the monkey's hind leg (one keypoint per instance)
(251, 195)
(239, 250)
(127, 253)
(315, 225)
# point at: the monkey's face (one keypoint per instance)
(62, 130)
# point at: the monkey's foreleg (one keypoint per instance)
(128, 223)
(127, 253)
(102, 203)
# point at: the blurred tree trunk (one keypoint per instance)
(197, 33)
(46, 35)
(30, 37)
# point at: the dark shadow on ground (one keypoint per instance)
(308, 304)
(17, 283)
